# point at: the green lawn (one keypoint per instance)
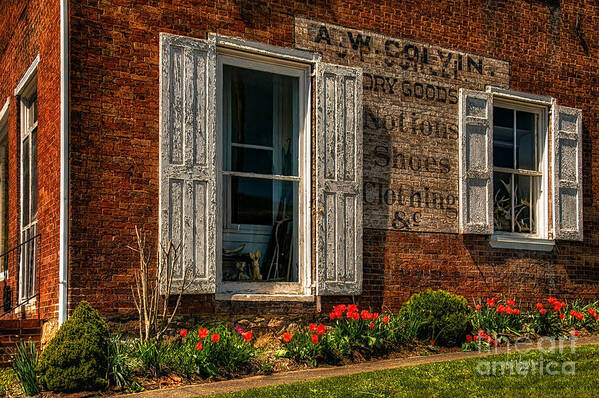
(457, 379)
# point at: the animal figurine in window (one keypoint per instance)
(242, 276)
(256, 265)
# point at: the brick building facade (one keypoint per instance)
(417, 62)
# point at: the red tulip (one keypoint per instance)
(371, 325)
(576, 333)
(183, 332)
(542, 311)
(339, 308)
(562, 316)
(332, 315)
(199, 346)
(287, 337)
(475, 338)
(247, 335)
(312, 327)
(478, 307)
(511, 302)
(320, 329)
(203, 333)
(539, 306)
(376, 316)
(468, 338)
(315, 338)
(516, 311)
(432, 342)
(385, 319)
(215, 338)
(491, 302)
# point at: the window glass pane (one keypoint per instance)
(251, 160)
(32, 111)
(525, 141)
(251, 201)
(3, 200)
(523, 205)
(502, 203)
(26, 176)
(262, 114)
(503, 137)
(268, 210)
(286, 125)
(251, 106)
(34, 175)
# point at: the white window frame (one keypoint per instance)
(4, 136)
(269, 61)
(26, 91)
(539, 105)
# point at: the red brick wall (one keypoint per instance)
(114, 142)
(30, 28)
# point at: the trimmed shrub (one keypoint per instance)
(439, 316)
(76, 358)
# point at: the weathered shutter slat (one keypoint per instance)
(188, 157)
(567, 172)
(339, 180)
(476, 162)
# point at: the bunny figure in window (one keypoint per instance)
(256, 265)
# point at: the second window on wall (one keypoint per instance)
(517, 169)
(29, 187)
(261, 116)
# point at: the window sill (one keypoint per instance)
(264, 297)
(500, 241)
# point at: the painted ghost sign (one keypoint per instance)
(410, 120)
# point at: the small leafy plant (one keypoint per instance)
(152, 354)
(548, 321)
(119, 372)
(303, 346)
(351, 330)
(498, 317)
(24, 362)
(219, 351)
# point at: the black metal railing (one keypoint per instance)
(22, 261)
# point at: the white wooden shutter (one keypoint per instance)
(187, 156)
(567, 172)
(338, 180)
(476, 162)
